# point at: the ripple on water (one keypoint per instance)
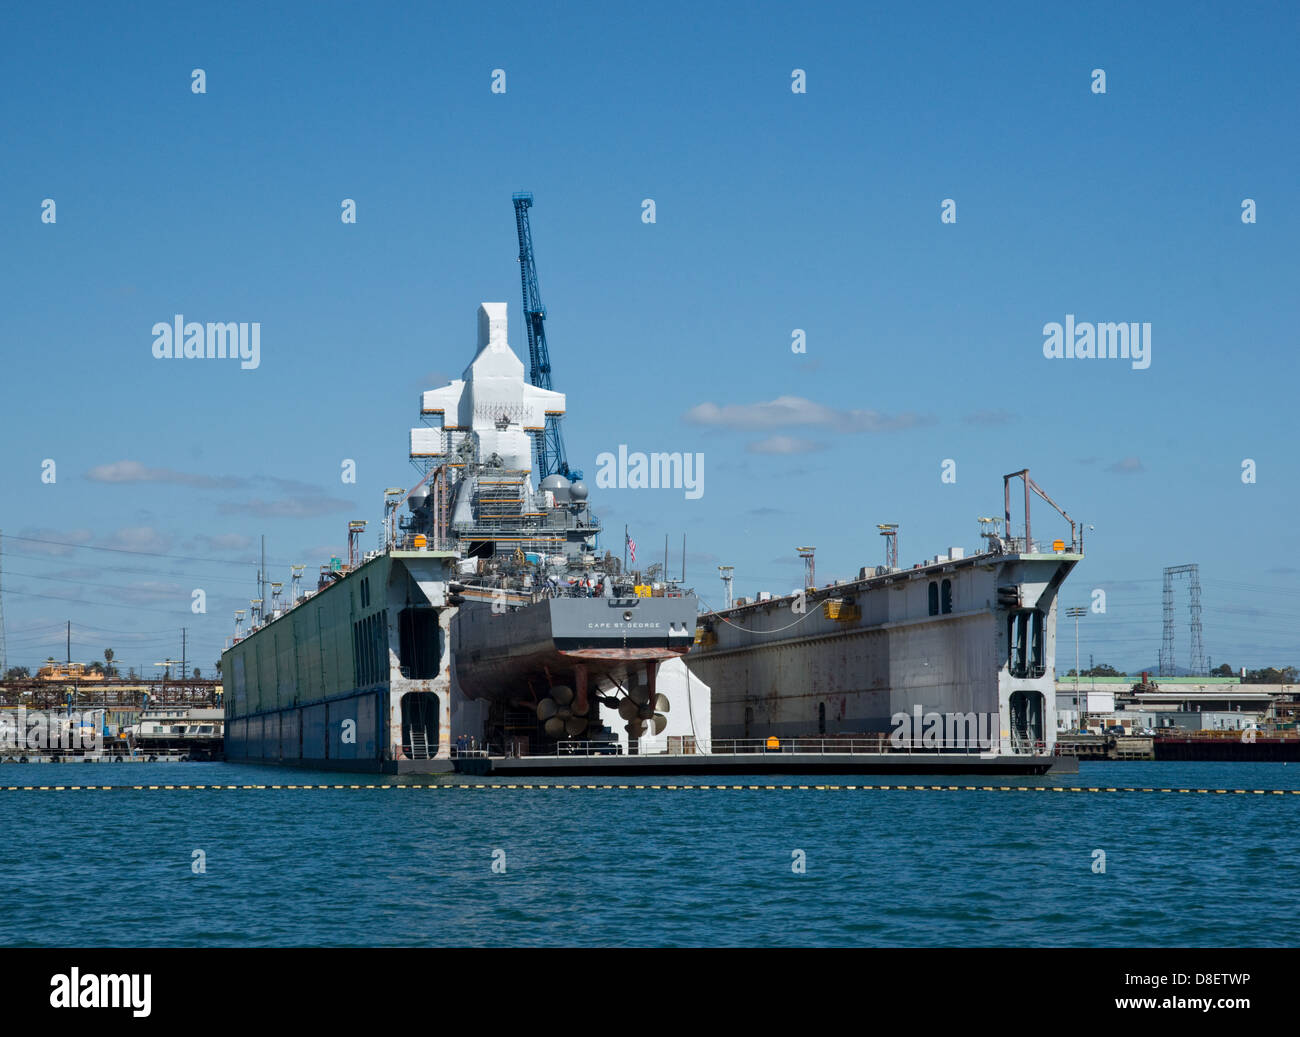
(651, 867)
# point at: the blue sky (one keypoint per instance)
(774, 211)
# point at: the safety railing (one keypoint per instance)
(1224, 734)
(94, 756)
(424, 542)
(882, 743)
(463, 751)
(858, 745)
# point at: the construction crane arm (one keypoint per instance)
(549, 442)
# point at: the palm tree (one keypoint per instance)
(108, 660)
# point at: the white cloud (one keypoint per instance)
(794, 411)
(138, 538)
(784, 445)
(135, 472)
(300, 506)
(60, 542)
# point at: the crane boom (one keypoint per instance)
(549, 443)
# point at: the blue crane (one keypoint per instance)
(549, 442)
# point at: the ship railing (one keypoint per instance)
(431, 543)
(881, 743)
(566, 590)
(108, 754)
(677, 745)
(1222, 734)
(1019, 545)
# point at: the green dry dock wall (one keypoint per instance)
(307, 655)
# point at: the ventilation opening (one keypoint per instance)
(1025, 643)
(370, 649)
(418, 642)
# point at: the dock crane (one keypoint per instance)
(549, 442)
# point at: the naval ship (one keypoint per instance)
(547, 630)
(487, 621)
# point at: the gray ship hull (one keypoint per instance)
(524, 651)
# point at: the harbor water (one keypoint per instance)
(500, 866)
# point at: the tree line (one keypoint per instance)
(1264, 675)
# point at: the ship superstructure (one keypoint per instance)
(548, 629)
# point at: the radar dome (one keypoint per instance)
(578, 490)
(554, 483)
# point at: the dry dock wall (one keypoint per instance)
(935, 638)
(332, 681)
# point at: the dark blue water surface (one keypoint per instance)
(648, 867)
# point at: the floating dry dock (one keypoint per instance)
(489, 618)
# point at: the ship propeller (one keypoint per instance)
(574, 726)
(557, 716)
(638, 726)
(562, 694)
(554, 727)
(636, 710)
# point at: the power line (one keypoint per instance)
(121, 569)
(100, 604)
(133, 551)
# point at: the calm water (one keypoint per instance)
(647, 867)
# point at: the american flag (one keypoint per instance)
(631, 548)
